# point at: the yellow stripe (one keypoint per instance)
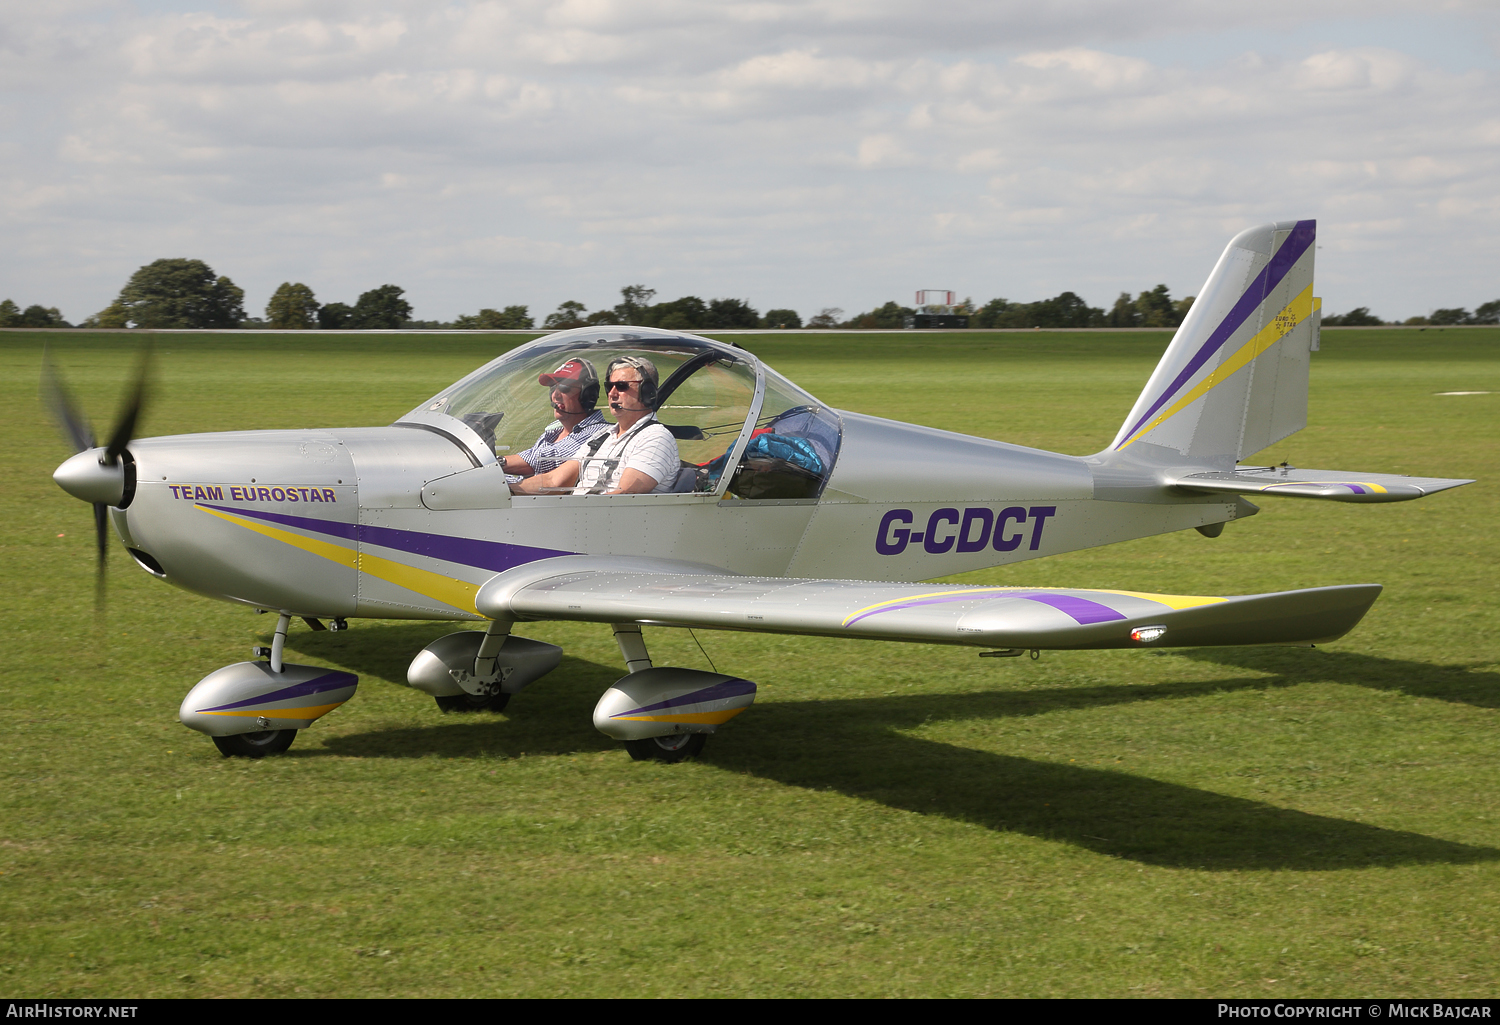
(448, 590)
(1281, 325)
(713, 718)
(1325, 483)
(337, 553)
(1172, 601)
(281, 713)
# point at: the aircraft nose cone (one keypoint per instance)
(84, 477)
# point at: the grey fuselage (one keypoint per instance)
(406, 521)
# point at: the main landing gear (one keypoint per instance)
(672, 748)
(666, 714)
(471, 671)
(471, 702)
(662, 714)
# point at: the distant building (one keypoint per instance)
(935, 309)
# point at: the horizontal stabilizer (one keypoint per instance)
(1334, 485)
(658, 592)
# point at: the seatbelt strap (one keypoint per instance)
(597, 443)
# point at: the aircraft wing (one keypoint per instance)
(617, 589)
(1335, 485)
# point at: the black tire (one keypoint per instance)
(667, 749)
(473, 702)
(255, 745)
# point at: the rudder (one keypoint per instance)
(1234, 378)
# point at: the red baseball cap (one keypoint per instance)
(580, 370)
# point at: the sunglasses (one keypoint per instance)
(566, 387)
(623, 385)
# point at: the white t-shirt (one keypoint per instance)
(648, 447)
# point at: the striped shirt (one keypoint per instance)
(549, 453)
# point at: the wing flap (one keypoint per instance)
(659, 592)
(1332, 485)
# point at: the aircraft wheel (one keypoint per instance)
(255, 745)
(666, 749)
(473, 702)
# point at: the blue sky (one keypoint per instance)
(801, 153)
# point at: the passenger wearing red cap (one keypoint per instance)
(575, 393)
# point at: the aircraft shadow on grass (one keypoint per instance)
(855, 746)
(1457, 683)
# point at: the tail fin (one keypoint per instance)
(1234, 379)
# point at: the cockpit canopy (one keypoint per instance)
(722, 405)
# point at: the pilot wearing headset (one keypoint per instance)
(574, 394)
(639, 456)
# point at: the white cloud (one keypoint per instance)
(799, 153)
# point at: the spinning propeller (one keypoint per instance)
(103, 476)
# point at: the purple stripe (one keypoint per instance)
(330, 527)
(1082, 610)
(718, 692)
(1270, 276)
(1356, 489)
(333, 680)
(491, 555)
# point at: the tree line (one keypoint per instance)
(688, 313)
(12, 315)
(1154, 308)
(182, 293)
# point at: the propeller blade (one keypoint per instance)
(101, 536)
(59, 403)
(125, 423)
(58, 400)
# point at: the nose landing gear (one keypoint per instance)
(254, 709)
(255, 745)
(676, 748)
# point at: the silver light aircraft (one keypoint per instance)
(785, 516)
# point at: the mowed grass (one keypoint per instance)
(889, 820)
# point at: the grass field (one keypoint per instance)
(889, 820)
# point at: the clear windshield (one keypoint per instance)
(792, 451)
(706, 387)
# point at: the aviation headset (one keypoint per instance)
(588, 384)
(588, 395)
(648, 372)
